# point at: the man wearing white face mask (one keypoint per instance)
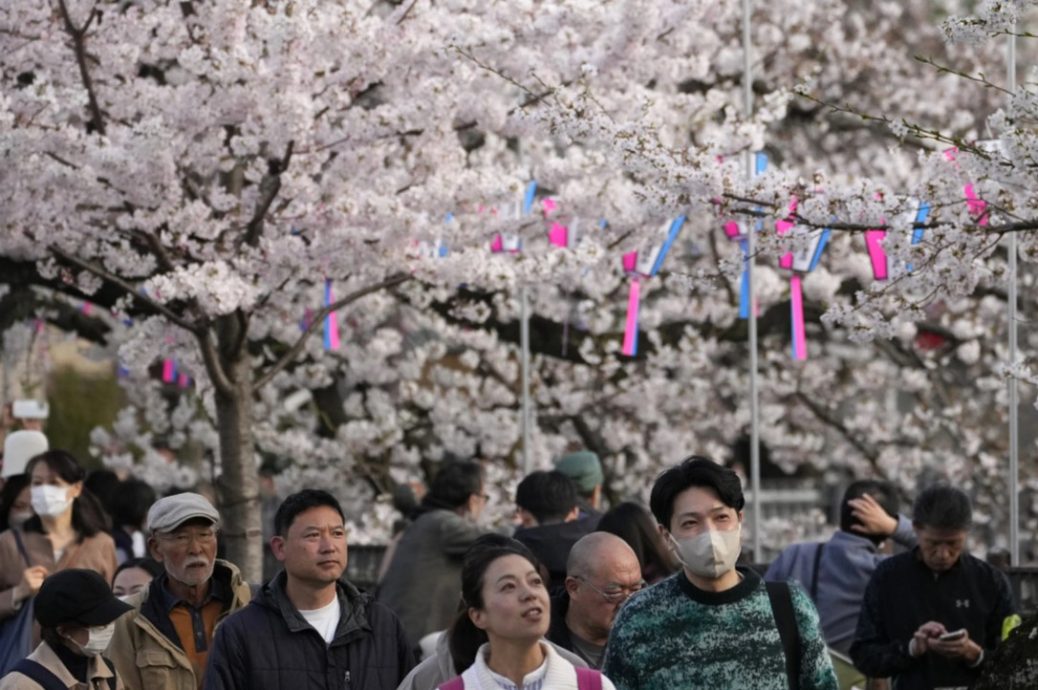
(76, 611)
(712, 624)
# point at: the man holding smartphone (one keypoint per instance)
(930, 615)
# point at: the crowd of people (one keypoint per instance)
(129, 591)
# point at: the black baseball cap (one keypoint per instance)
(77, 596)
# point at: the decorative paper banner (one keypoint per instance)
(921, 216)
(511, 242)
(558, 235)
(796, 301)
(976, 206)
(169, 371)
(630, 346)
(331, 323)
(645, 265)
(737, 231)
(529, 197)
(874, 245)
(802, 259)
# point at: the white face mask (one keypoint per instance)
(709, 554)
(50, 501)
(98, 640)
(19, 519)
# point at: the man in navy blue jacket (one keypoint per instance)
(931, 615)
(308, 628)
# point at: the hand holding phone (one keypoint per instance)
(953, 635)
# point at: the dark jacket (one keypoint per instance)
(552, 543)
(558, 633)
(903, 594)
(423, 582)
(268, 645)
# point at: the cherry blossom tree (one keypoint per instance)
(203, 169)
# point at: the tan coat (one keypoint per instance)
(145, 659)
(93, 553)
(97, 670)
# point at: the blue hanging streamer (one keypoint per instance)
(672, 234)
(528, 198)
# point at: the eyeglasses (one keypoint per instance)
(613, 594)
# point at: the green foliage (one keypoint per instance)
(79, 402)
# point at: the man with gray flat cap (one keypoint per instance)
(163, 644)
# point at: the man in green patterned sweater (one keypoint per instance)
(711, 625)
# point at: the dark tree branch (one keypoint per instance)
(269, 188)
(78, 36)
(126, 288)
(318, 319)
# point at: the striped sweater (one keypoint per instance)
(674, 635)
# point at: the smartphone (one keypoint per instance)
(953, 635)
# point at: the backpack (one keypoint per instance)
(785, 620)
(587, 679)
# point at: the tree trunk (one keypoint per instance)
(239, 481)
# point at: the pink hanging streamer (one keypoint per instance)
(331, 323)
(796, 301)
(558, 235)
(169, 371)
(977, 206)
(781, 228)
(630, 347)
(874, 243)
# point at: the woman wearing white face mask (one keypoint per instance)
(76, 611)
(69, 530)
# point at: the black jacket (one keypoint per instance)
(903, 594)
(551, 545)
(268, 645)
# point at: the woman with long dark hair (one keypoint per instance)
(498, 637)
(69, 530)
(636, 526)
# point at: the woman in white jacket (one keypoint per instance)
(498, 638)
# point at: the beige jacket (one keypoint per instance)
(94, 553)
(146, 659)
(97, 670)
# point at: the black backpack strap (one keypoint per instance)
(17, 534)
(815, 572)
(39, 674)
(785, 620)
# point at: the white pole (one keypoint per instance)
(747, 89)
(524, 341)
(1014, 401)
(524, 362)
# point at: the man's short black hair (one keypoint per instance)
(698, 471)
(943, 507)
(300, 502)
(548, 496)
(884, 493)
(453, 484)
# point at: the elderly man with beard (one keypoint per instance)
(164, 643)
(310, 628)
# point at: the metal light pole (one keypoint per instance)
(524, 344)
(1014, 401)
(747, 90)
